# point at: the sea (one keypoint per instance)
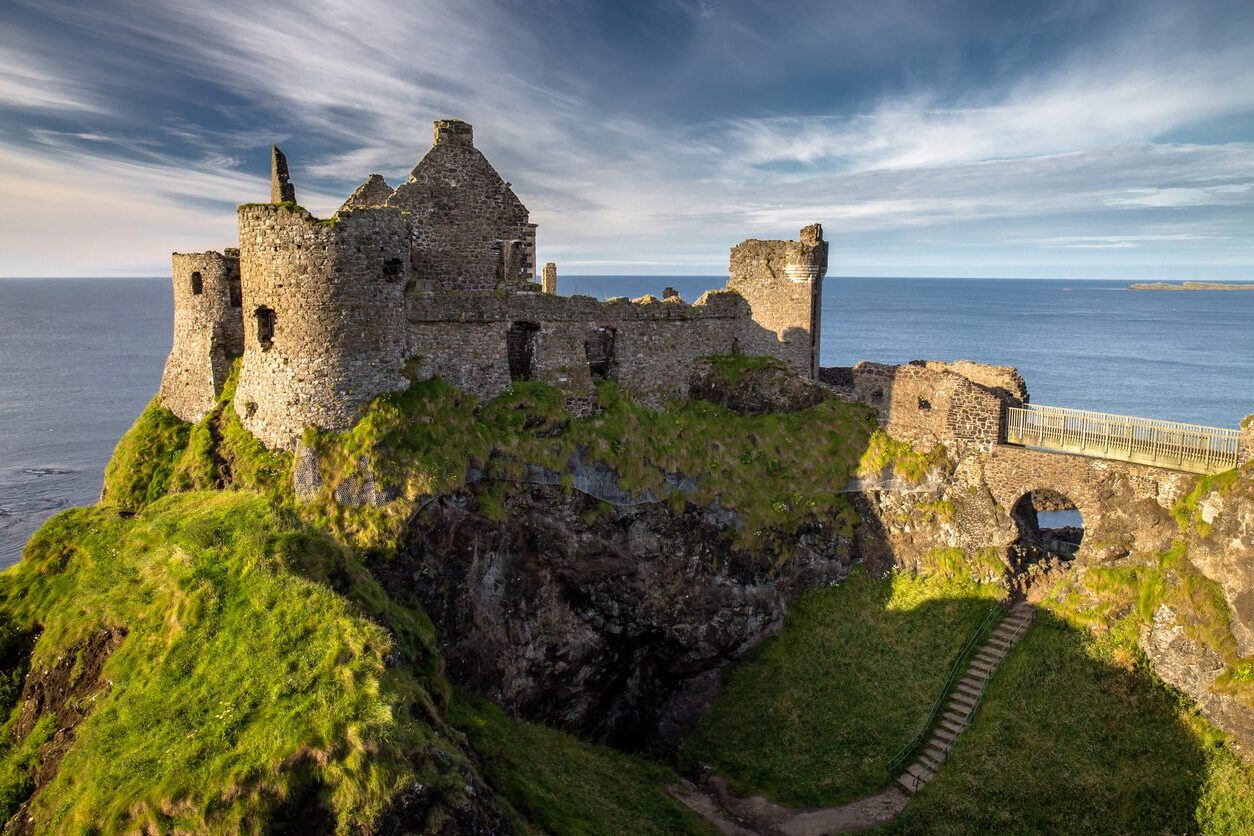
(80, 358)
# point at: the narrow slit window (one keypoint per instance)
(599, 351)
(198, 283)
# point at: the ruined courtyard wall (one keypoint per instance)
(462, 337)
(337, 293)
(461, 212)
(928, 403)
(208, 332)
(782, 282)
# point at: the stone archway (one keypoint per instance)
(1050, 526)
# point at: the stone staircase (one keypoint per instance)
(966, 695)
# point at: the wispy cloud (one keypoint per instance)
(741, 119)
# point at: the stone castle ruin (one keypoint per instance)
(439, 276)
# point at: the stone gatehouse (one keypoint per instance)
(438, 276)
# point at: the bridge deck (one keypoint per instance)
(1188, 447)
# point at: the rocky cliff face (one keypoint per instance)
(612, 620)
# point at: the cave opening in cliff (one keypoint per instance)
(1050, 528)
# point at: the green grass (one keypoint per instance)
(1076, 735)
(813, 715)
(144, 460)
(253, 670)
(776, 471)
(564, 785)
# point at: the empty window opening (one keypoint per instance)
(520, 345)
(233, 292)
(877, 396)
(600, 353)
(925, 405)
(1050, 528)
(265, 326)
(198, 284)
(392, 269)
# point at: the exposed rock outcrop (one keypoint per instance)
(609, 620)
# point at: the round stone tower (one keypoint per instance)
(208, 331)
(324, 316)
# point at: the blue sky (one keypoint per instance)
(934, 138)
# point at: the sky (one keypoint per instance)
(977, 138)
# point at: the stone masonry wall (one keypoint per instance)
(462, 337)
(1247, 440)
(464, 218)
(336, 290)
(929, 403)
(782, 282)
(208, 332)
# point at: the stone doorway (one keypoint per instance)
(520, 345)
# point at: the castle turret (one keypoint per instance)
(470, 231)
(783, 284)
(324, 318)
(208, 331)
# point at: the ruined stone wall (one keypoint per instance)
(463, 338)
(336, 290)
(928, 403)
(208, 331)
(469, 230)
(1246, 452)
(782, 281)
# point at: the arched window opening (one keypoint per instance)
(198, 283)
(599, 351)
(265, 326)
(1050, 528)
(520, 346)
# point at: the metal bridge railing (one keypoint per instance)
(1190, 447)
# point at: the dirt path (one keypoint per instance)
(736, 816)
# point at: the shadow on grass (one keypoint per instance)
(812, 716)
(1075, 733)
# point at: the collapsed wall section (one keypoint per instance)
(928, 403)
(483, 342)
(208, 331)
(783, 283)
(469, 230)
(324, 322)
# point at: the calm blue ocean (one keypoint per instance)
(79, 358)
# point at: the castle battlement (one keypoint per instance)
(438, 276)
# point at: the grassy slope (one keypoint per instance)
(241, 680)
(1076, 735)
(564, 785)
(813, 715)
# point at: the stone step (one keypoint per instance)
(947, 736)
(935, 754)
(982, 668)
(907, 784)
(961, 702)
(969, 690)
(920, 771)
(954, 726)
(957, 719)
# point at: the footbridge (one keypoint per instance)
(1192, 448)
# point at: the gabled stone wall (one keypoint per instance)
(334, 294)
(469, 230)
(783, 283)
(208, 331)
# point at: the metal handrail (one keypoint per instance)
(1011, 641)
(1168, 444)
(894, 766)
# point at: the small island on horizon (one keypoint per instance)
(1191, 286)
